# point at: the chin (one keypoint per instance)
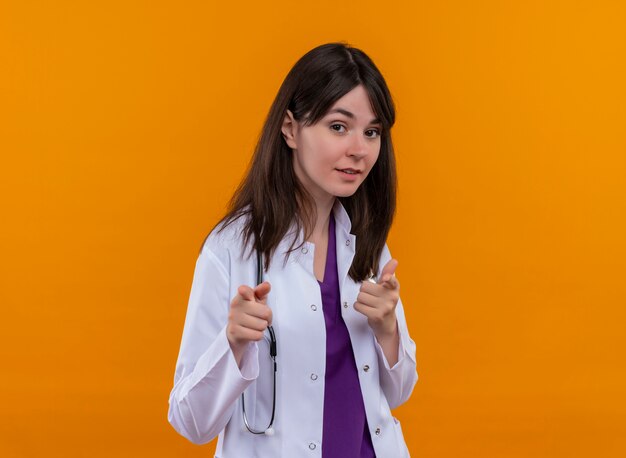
(345, 193)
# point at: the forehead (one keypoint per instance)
(355, 104)
(356, 98)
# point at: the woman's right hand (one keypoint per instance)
(249, 316)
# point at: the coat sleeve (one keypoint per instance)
(208, 381)
(397, 382)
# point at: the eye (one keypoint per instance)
(337, 127)
(372, 133)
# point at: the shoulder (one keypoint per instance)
(225, 242)
(225, 235)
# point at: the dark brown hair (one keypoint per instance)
(271, 198)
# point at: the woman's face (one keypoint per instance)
(332, 157)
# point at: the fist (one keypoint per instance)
(377, 301)
(249, 315)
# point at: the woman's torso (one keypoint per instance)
(298, 321)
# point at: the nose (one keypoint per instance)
(358, 146)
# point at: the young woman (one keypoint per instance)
(298, 268)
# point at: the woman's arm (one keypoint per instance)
(208, 381)
(398, 378)
(378, 301)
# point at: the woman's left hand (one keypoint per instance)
(377, 301)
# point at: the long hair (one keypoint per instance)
(271, 198)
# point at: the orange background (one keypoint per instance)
(125, 127)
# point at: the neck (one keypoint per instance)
(323, 219)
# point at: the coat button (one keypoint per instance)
(347, 242)
(366, 368)
(377, 432)
(313, 307)
(313, 377)
(312, 446)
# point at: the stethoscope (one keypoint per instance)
(269, 431)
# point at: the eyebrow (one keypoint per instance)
(351, 115)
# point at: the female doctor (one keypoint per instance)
(314, 210)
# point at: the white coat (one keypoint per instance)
(206, 398)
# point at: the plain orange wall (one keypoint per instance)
(125, 126)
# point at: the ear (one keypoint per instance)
(289, 129)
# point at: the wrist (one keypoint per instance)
(387, 331)
(238, 348)
(389, 341)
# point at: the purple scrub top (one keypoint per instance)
(345, 433)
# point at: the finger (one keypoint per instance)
(246, 334)
(260, 310)
(246, 293)
(388, 271)
(368, 300)
(253, 322)
(379, 294)
(374, 289)
(390, 282)
(380, 289)
(369, 312)
(363, 309)
(262, 290)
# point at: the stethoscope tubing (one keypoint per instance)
(272, 340)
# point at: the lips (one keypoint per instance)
(350, 171)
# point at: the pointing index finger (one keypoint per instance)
(262, 290)
(389, 270)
